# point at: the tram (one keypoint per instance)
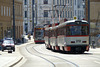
(69, 36)
(39, 34)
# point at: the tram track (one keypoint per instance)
(53, 65)
(53, 62)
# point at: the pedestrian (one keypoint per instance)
(93, 42)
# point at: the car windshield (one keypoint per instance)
(8, 42)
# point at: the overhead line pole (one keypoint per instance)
(14, 21)
(33, 15)
(89, 20)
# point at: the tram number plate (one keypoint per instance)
(78, 41)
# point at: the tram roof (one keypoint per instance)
(71, 21)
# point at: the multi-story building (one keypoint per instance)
(6, 18)
(48, 9)
(27, 16)
(64, 9)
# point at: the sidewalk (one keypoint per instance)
(11, 59)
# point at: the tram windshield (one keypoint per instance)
(77, 30)
(39, 33)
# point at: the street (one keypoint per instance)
(36, 55)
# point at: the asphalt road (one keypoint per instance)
(37, 55)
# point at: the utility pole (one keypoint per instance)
(89, 20)
(36, 11)
(14, 21)
(33, 15)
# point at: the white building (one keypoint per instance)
(73, 8)
(42, 12)
(27, 15)
(65, 8)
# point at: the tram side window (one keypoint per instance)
(62, 31)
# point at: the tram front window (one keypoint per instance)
(39, 33)
(77, 30)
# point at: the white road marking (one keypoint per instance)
(97, 62)
(85, 58)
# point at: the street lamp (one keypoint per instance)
(13, 21)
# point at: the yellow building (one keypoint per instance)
(6, 18)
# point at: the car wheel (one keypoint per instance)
(14, 49)
(2, 49)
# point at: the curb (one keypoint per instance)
(16, 62)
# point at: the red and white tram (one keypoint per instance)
(72, 36)
(39, 34)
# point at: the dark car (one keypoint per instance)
(8, 45)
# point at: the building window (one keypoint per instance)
(75, 12)
(60, 2)
(57, 2)
(25, 14)
(65, 2)
(66, 14)
(25, 2)
(75, 2)
(4, 10)
(9, 11)
(45, 1)
(71, 2)
(63, 14)
(53, 2)
(1, 10)
(71, 15)
(45, 13)
(68, 1)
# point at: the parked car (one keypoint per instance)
(8, 45)
(1, 42)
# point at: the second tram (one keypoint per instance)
(39, 34)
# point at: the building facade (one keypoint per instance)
(27, 16)
(6, 18)
(51, 11)
(79, 9)
(18, 18)
(94, 16)
(41, 11)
